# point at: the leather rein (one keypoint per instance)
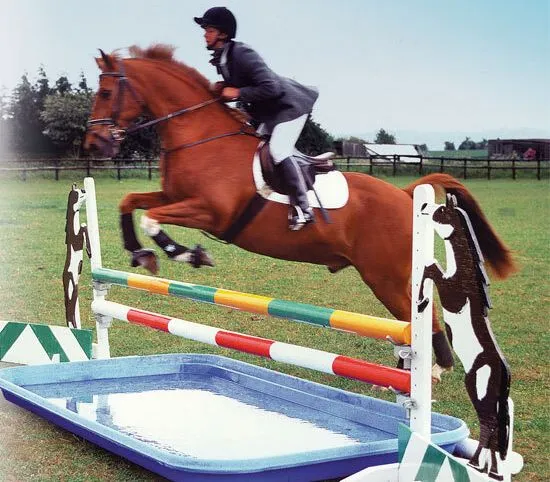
(118, 133)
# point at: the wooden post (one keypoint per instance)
(150, 173)
(489, 169)
(514, 169)
(88, 167)
(56, 163)
(441, 164)
(394, 165)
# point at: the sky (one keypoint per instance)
(424, 70)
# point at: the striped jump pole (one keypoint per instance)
(417, 334)
(322, 361)
(371, 326)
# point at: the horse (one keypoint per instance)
(463, 294)
(207, 183)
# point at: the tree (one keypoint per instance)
(467, 144)
(483, 144)
(27, 127)
(450, 146)
(65, 116)
(383, 137)
(83, 84)
(5, 123)
(42, 88)
(314, 139)
(63, 86)
(423, 148)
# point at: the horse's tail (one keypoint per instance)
(496, 253)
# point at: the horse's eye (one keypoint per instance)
(105, 94)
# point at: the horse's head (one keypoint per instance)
(116, 105)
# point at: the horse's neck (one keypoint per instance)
(166, 92)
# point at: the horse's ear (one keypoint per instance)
(104, 63)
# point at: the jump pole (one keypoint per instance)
(419, 354)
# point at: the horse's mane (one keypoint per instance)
(165, 53)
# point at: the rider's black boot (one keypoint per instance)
(302, 214)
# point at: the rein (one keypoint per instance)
(118, 134)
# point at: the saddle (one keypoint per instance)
(310, 166)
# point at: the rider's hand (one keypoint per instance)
(230, 93)
(217, 87)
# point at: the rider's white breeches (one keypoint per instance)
(284, 137)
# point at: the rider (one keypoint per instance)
(280, 105)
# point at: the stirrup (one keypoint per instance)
(297, 218)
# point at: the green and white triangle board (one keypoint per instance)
(420, 460)
(33, 344)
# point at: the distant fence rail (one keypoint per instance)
(376, 166)
(459, 167)
(87, 165)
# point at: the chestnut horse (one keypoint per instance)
(207, 182)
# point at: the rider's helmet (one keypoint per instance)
(220, 18)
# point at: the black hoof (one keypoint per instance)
(146, 258)
(199, 257)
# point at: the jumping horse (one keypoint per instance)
(207, 183)
(463, 294)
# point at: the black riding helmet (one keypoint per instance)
(220, 18)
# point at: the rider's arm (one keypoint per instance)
(264, 83)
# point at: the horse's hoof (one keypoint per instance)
(200, 257)
(146, 258)
(196, 257)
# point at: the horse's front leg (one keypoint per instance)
(191, 213)
(140, 256)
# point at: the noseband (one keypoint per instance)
(118, 134)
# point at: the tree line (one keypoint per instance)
(43, 119)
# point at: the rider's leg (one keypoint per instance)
(283, 139)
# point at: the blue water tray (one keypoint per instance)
(206, 417)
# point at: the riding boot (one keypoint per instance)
(301, 214)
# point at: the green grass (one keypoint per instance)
(32, 221)
(460, 154)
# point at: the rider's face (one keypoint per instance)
(214, 38)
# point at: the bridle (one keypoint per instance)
(118, 133)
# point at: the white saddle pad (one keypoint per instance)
(332, 188)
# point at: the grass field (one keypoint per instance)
(32, 220)
(469, 153)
